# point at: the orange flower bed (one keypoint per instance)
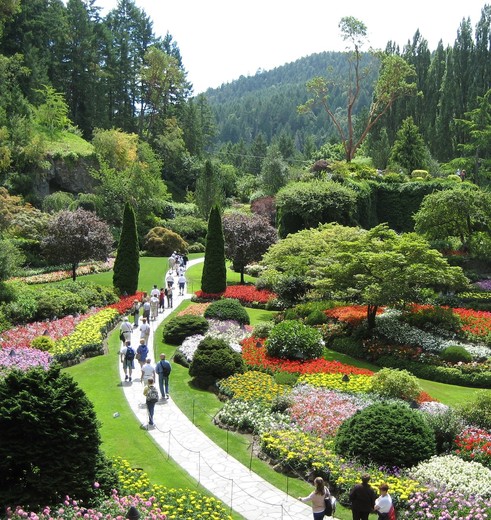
(195, 309)
(254, 354)
(352, 314)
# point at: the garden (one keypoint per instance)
(302, 385)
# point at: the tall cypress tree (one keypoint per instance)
(214, 277)
(127, 264)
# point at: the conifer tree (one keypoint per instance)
(214, 277)
(127, 264)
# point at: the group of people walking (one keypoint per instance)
(363, 498)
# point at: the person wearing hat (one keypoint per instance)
(125, 330)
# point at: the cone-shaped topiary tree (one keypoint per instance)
(214, 277)
(127, 264)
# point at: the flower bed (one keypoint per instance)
(474, 444)
(23, 359)
(255, 356)
(352, 314)
(252, 386)
(246, 294)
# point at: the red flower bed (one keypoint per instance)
(243, 293)
(254, 354)
(352, 314)
(125, 303)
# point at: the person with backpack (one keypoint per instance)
(151, 397)
(318, 497)
(163, 369)
(127, 355)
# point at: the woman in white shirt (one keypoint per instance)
(317, 498)
(383, 503)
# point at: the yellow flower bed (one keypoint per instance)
(88, 335)
(252, 386)
(177, 504)
(356, 384)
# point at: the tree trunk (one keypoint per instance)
(74, 272)
(371, 313)
(242, 268)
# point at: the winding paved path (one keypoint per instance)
(225, 477)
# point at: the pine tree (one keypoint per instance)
(214, 277)
(127, 264)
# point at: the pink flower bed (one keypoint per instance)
(320, 411)
(23, 359)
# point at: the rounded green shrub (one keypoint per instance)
(262, 329)
(478, 411)
(291, 339)
(386, 433)
(227, 309)
(434, 316)
(160, 241)
(316, 317)
(456, 354)
(214, 359)
(44, 343)
(177, 329)
(394, 383)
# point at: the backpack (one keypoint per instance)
(130, 354)
(152, 395)
(165, 368)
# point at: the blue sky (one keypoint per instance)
(220, 40)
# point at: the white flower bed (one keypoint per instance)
(454, 474)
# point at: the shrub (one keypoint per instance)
(291, 288)
(160, 241)
(227, 309)
(92, 294)
(196, 248)
(390, 382)
(436, 316)
(53, 303)
(349, 346)
(388, 434)
(446, 425)
(44, 343)
(214, 275)
(456, 354)
(177, 329)
(316, 317)
(262, 329)
(214, 359)
(478, 411)
(191, 229)
(127, 264)
(291, 339)
(180, 359)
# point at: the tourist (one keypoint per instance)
(146, 309)
(135, 311)
(152, 396)
(125, 330)
(163, 369)
(168, 295)
(362, 497)
(383, 503)
(182, 283)
(145, 330)
(127, 355)
(142, 353)
(317, 498)
(170, 279)
(148, 372)
(154, 306)
(162, 300)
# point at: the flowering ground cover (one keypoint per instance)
(252, 386)
(352, 314)
(474, 444)
(356, 383)
(255, 356)
(56, 276)
(23, 359)
(246, 294)
(196, 309)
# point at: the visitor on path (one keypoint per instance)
(171, 262)
(151, 397)
(362, 497)
(125, 330)
(142, 353)
(148, 372)
(182, 283)
(383, 504)
(145, 330)
(170, 279)
(154, 291)
(127, 356)
(135, 312)
(168, 295)
(154, 306)
(146, 309)
(317, 498)
(163, 369)
(161, 299)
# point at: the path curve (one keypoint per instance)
(229, 480)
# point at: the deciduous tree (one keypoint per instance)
(247, 238)
(74, 236)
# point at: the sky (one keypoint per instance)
(221, 40)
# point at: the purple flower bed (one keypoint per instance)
(484, 285)
(23, 359)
